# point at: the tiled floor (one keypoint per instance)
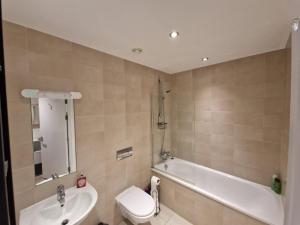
(165, 217)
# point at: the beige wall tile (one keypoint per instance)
(223, 92)
(273, 121)
(22, 155)
(222, 129)
(83, 73)
(114, 113)
(22, 200)
(42, 43)
(23, 179)
(16, 60)
(89, 124)
(252, 119)
(15, 35)
(240, 113)
(249, 105)
(86, 56)
(222, 105)
(202, 128)
(202, 159)
(248, 132)
(50, 66)
(222, 117)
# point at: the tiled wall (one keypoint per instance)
(198, 209)
(115, 112)
(234, 116)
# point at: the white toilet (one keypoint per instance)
(136, 205)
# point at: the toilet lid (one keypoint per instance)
(137, 202)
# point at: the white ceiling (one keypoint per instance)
(219, 29)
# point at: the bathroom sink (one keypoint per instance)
(78, 204)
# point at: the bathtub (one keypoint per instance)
(252, 199)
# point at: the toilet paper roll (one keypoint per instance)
(155, 181)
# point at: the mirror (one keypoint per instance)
(53, 133)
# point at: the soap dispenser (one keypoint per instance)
(276, 184)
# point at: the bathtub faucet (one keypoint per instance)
(164, 155)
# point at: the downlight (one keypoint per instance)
(174, 35)
(205, 59)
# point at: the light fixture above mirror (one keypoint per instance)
(35, 93)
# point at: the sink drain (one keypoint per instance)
(65, 222)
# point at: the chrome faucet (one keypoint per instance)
(61, 195)
(54, 176)
(164, 155)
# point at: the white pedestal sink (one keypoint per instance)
(78, 204)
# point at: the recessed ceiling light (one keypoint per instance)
(137, 50)
(205, 59)
(174, 34)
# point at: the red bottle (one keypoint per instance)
(81, 181)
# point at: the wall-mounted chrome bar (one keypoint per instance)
(124, 153)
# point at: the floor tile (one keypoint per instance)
(165, 217)
(177, 220)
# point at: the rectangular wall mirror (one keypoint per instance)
(53, 134)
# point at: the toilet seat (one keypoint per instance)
(136, 202)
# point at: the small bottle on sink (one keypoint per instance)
(81, 181)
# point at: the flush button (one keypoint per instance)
(124, 153)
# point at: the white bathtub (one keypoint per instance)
(250, 198)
